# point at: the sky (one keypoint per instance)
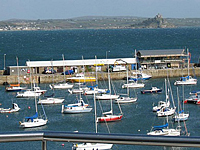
(65, 9)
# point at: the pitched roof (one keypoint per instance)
(161, 53)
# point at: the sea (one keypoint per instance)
(115, 43)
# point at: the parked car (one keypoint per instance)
(68, 72)
(49, 71)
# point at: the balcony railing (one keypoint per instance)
(125, 139)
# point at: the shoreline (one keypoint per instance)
(49, 78)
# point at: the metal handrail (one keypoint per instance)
(126, 139)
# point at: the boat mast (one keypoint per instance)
(96, 70)
(17, 70)
(127, 79)
(136, 65)
(109, 86)
(83, 69)
(63, 65)
(36, 109)
(95, 112)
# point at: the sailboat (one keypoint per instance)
(15, 87)
(95, 88)
(63, 85)
(188, 80)
(51, 99)
(134, 84)
(34, 121)
(79, 107)
(167, 111)
(180, 115)
(164, 130)
(108, 95)
(127, 98)
(92, 146)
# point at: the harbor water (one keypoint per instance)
(138, 117)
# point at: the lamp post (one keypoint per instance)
(107, 60)
(4, 62)
(107, 53)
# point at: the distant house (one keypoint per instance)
(160, 59)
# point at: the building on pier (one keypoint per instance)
(161, 59)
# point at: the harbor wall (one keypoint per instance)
(54, 78)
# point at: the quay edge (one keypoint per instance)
(48, 78)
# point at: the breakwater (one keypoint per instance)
(50, 78)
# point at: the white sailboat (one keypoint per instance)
(134, 84)
(32, 92)
(34, 121)
(51, 100)
(167, 111)
(79, 107)
(127, 98)
(108, 95)
(95, 88)
(63, 85)
(188, 80)
(92, 146)
(164, 130)
(180, 115)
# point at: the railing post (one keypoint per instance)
(44, 145)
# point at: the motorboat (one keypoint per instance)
(15, 108)
(14, 88)
(152, 90)
(139, 76)
(194, 99)
(82, 78)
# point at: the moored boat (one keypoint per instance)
(152, 90)
(82, 78)
(15, 108)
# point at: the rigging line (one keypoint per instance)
(104, 120)
(43, 111)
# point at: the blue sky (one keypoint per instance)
(64, 9)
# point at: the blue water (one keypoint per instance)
(47, 45)
(138, 117)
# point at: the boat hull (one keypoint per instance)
(49, 101)
(92, 146)
(109, 118)
(35, 123)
